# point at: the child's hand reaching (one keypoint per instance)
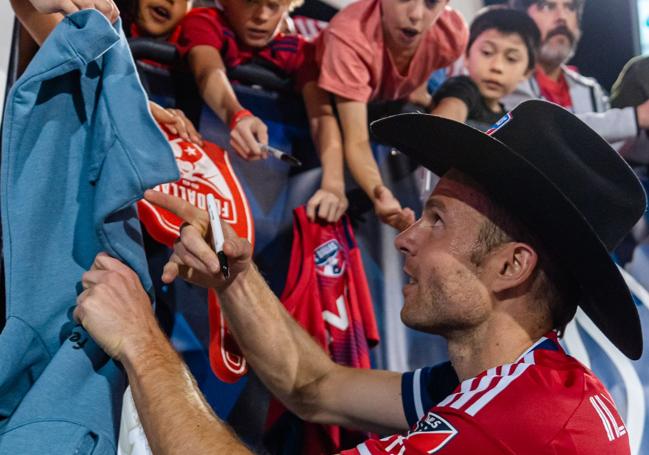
(247, 135)
(176, 122)
(107, 7)
(389, 210)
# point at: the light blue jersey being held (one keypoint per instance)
(79, 147)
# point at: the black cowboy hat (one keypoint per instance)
(561, 179)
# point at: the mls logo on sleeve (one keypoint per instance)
(329, 259)
(431, 434)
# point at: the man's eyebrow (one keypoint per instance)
(433, 203)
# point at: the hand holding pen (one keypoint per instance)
(217, 235)
(194, 259)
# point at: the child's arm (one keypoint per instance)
(421, 97)
(39, 17)
(329, 202)
(247, 131)
(358, 154)
(176, 122)
(456, 98)
(39, 25)
(451, 108)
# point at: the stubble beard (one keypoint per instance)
(552, 56)
(433, 313)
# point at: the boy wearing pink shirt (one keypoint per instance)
(382, 50)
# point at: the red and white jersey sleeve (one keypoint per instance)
(544, 403)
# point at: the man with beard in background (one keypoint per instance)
(559, 23)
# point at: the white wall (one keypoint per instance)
(6, 31)
(467, 7)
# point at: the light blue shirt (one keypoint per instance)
(79, 147)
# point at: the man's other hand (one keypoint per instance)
(115, 309)
(106, 7)
(193, 259)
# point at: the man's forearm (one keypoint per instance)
(175, 416)
(614, 124)
(284, 356)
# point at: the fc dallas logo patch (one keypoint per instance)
(203, 170)
(431, 434)
(329, 259)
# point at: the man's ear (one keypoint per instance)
(516, 263)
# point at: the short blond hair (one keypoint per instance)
(295, 4)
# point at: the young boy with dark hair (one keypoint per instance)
(157, 19)
(214, 40)
(501, 53)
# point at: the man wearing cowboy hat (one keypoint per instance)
(515, 236)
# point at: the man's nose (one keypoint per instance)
(404, 241)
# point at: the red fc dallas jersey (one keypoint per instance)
(326, 289)
(544, 403)
(326, 292)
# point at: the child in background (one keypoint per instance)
(153, 18)
(40, 23)
(501, 53)
(383, 50)
(214, 40)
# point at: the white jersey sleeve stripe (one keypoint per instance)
(605, 422)
(416, 393)
(448, 399)
(483, 385)
(611, 419)
(464, 388)
(492, 393)
(363, 450)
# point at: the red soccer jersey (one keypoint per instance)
(326, 292)
(544, 403)
(291, 54)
